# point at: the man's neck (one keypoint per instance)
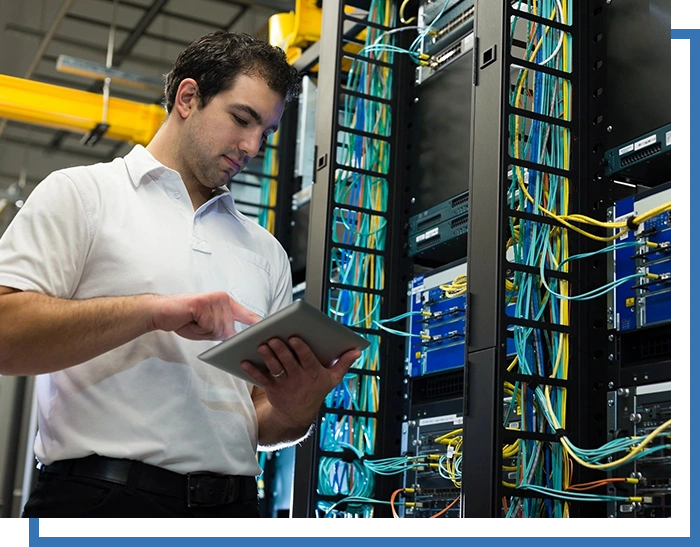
(164, 150)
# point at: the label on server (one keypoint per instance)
(427, 235)
(668, 139)
(438, 420)
(418, 284)
(624, 218)
(626, 149)
(644, 143)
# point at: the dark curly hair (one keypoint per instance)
(215, 60)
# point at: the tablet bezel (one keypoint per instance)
(327, 338)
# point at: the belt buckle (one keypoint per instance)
(204, 490)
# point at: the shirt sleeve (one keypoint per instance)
(45, 247)
(283, 292)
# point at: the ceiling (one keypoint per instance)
(149, 35)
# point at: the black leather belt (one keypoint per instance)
(197, 489)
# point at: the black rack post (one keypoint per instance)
(592, 194)
(337, 27)
(286, 184)
(488, 268)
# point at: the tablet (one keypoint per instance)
(327, 338)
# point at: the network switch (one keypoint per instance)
(646, 299)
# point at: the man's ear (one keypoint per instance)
(186, 98)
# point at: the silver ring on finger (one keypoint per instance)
(279, 374)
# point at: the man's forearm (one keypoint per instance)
(277, 430)
(40, 334)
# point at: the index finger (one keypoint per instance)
(243, 314)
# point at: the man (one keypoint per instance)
(115, 277)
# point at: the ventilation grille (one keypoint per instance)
(444, 388)
(651, 347)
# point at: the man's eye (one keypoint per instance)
(240, 121)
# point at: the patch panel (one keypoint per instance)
(439, 332)
(431, 492)
(446, 210)
(452, 232)
(444, 58)
(637, 411)
(643, 301)
(456, 19)
(646, 158)
(438, 337)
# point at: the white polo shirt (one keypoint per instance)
(128, 227)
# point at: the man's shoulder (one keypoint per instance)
(96, 183)
(97, 173)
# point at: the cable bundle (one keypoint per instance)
(268, 185)
(544, 467)
(355, 268)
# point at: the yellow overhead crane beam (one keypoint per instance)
(68, 109)
(297, 30)
(294, 31)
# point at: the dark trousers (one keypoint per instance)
(66, 495)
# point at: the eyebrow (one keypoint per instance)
(253, 113)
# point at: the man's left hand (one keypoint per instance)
(295, 382)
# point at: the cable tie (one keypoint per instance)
(561, 433)
(534, 381)
(631, 224)
(349, 456)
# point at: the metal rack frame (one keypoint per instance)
(336, 28)
(485, 371)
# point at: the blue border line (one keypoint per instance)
(694, 251)
(36, 541)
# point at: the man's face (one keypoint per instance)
(221, 138)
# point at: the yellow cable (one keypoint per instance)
(621, 223)
(568, 447)
(401, 13)
(457, 287)
(450, 434)
(512, 364)
(636, 450)
(563, 351)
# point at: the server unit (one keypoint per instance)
(638, 411)
(643, 258)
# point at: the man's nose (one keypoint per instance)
(250, 146)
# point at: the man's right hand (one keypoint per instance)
(200, 316)
(43, 334)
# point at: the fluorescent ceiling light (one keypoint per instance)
(89, 69)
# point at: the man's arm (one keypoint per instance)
(40, 334)
(274, 431)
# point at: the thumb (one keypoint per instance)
(342, 365)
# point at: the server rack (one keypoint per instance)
(339, 28)
(486, 360)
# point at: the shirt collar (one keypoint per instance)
(142, 167)
(225, 196)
